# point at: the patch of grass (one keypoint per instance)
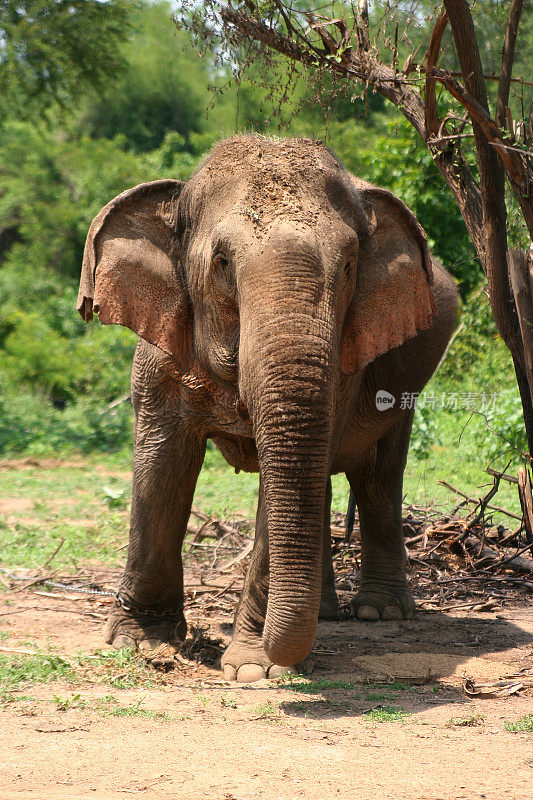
(122, 669)
(379, 697)
(6, 698)
(522, 725)
(266, 710)
(17, 670)
(472, 721)
(298, 684)
(203, 700)
(68, 703)
(228, 702)
(110, 707)
(396, 686)
(386, 714)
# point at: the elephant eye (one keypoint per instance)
(221, 272)
(221, 261)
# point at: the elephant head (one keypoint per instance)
(272, 271)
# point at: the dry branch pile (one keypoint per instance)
(463, 560)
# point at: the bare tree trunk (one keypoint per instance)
(492, 185)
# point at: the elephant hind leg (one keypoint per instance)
(384, 592)
(329, 603)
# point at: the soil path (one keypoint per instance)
(384, 716)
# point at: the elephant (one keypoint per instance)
(284, 308)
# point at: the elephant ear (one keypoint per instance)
(393, 300)
(131, 273)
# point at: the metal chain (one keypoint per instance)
(57, 585)
(70, 588)
(126, 605)
(129, 605)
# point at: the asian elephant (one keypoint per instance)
(284, 309)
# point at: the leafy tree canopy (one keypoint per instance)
(163, 87)
(52, 50)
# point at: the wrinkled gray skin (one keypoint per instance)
(275, 294)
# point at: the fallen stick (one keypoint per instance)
(246, 551)
(35, 582)
(54, 554)
(520, 565)
(473, 501)
(19, 650)
(503, 475)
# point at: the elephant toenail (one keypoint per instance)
(230, 673)
(392, 612)
(123, 641)
(249, 673)
(149, 644)
(367, 613)
(275, 671)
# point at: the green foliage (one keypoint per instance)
(386, 714)
(30, 423)
(40, 668)
(424, 433)
(52, 187)
(478, 364)
(53, 50)
(399, 161)
(20, 669)
(162, 89)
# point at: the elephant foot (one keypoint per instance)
(329, 605)
(157, 638)
(246, 662)
(373, 603)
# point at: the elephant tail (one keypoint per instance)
(350, 517)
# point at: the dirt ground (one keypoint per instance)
(384, 715)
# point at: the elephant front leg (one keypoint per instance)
(384, 592)
(148, 612)
(245, 660)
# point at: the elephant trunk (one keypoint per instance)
(289, 390)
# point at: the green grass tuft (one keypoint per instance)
(298, 684)
(472, 721)
(386, 714)
(522, 725)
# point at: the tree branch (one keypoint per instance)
(513, 159)
(491, 172)
(432, 117)
(507, 61)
